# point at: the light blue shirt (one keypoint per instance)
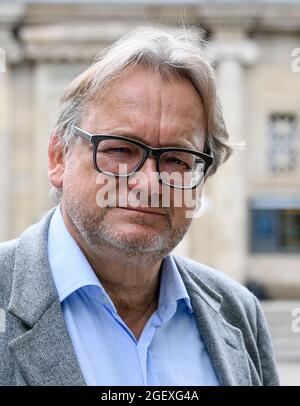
(170, 350)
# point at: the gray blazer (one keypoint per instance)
(35, 348)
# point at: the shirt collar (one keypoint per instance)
(70, 268)
(172, 290)
(71, 271)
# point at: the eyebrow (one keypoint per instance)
(136, 137)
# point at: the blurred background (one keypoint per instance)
(250, 222)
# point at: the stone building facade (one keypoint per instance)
(250, 226)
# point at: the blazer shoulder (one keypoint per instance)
(7, 247)
(7, 253)
(230, 290)
(239, 308)
(7, 262)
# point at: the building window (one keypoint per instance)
(275, 226)
(282, 131)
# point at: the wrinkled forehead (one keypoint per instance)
(145, 94)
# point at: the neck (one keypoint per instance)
(132, 284)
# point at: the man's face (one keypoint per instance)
(159, 113)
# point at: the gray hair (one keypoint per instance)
(178, 54)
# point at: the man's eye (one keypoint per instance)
(119, 150)
(177, 161)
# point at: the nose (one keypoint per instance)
(147, 178)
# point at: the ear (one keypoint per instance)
(56, 165)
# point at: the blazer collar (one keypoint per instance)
(44, 353)
(223, 341)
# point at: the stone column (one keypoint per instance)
(228, 187)
(220, 236)
(9, 54)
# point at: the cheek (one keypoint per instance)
(184, 203)
(184, 199)
(180, 218)
(80, 177)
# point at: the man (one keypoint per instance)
(92, 294)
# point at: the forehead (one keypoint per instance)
(140, 86)
(142, 99)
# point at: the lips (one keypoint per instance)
(144, 210)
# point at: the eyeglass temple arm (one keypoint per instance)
(81, 133)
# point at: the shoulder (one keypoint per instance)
(7, 248)
(239, 308)
(236, 299)
(7, 261)
(215, 279)
(7, 254)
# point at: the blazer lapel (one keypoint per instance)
(44, 353)
(223, 341)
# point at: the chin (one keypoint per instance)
(137, 230)
(137, 236)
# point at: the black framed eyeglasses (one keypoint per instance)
(120, 156)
